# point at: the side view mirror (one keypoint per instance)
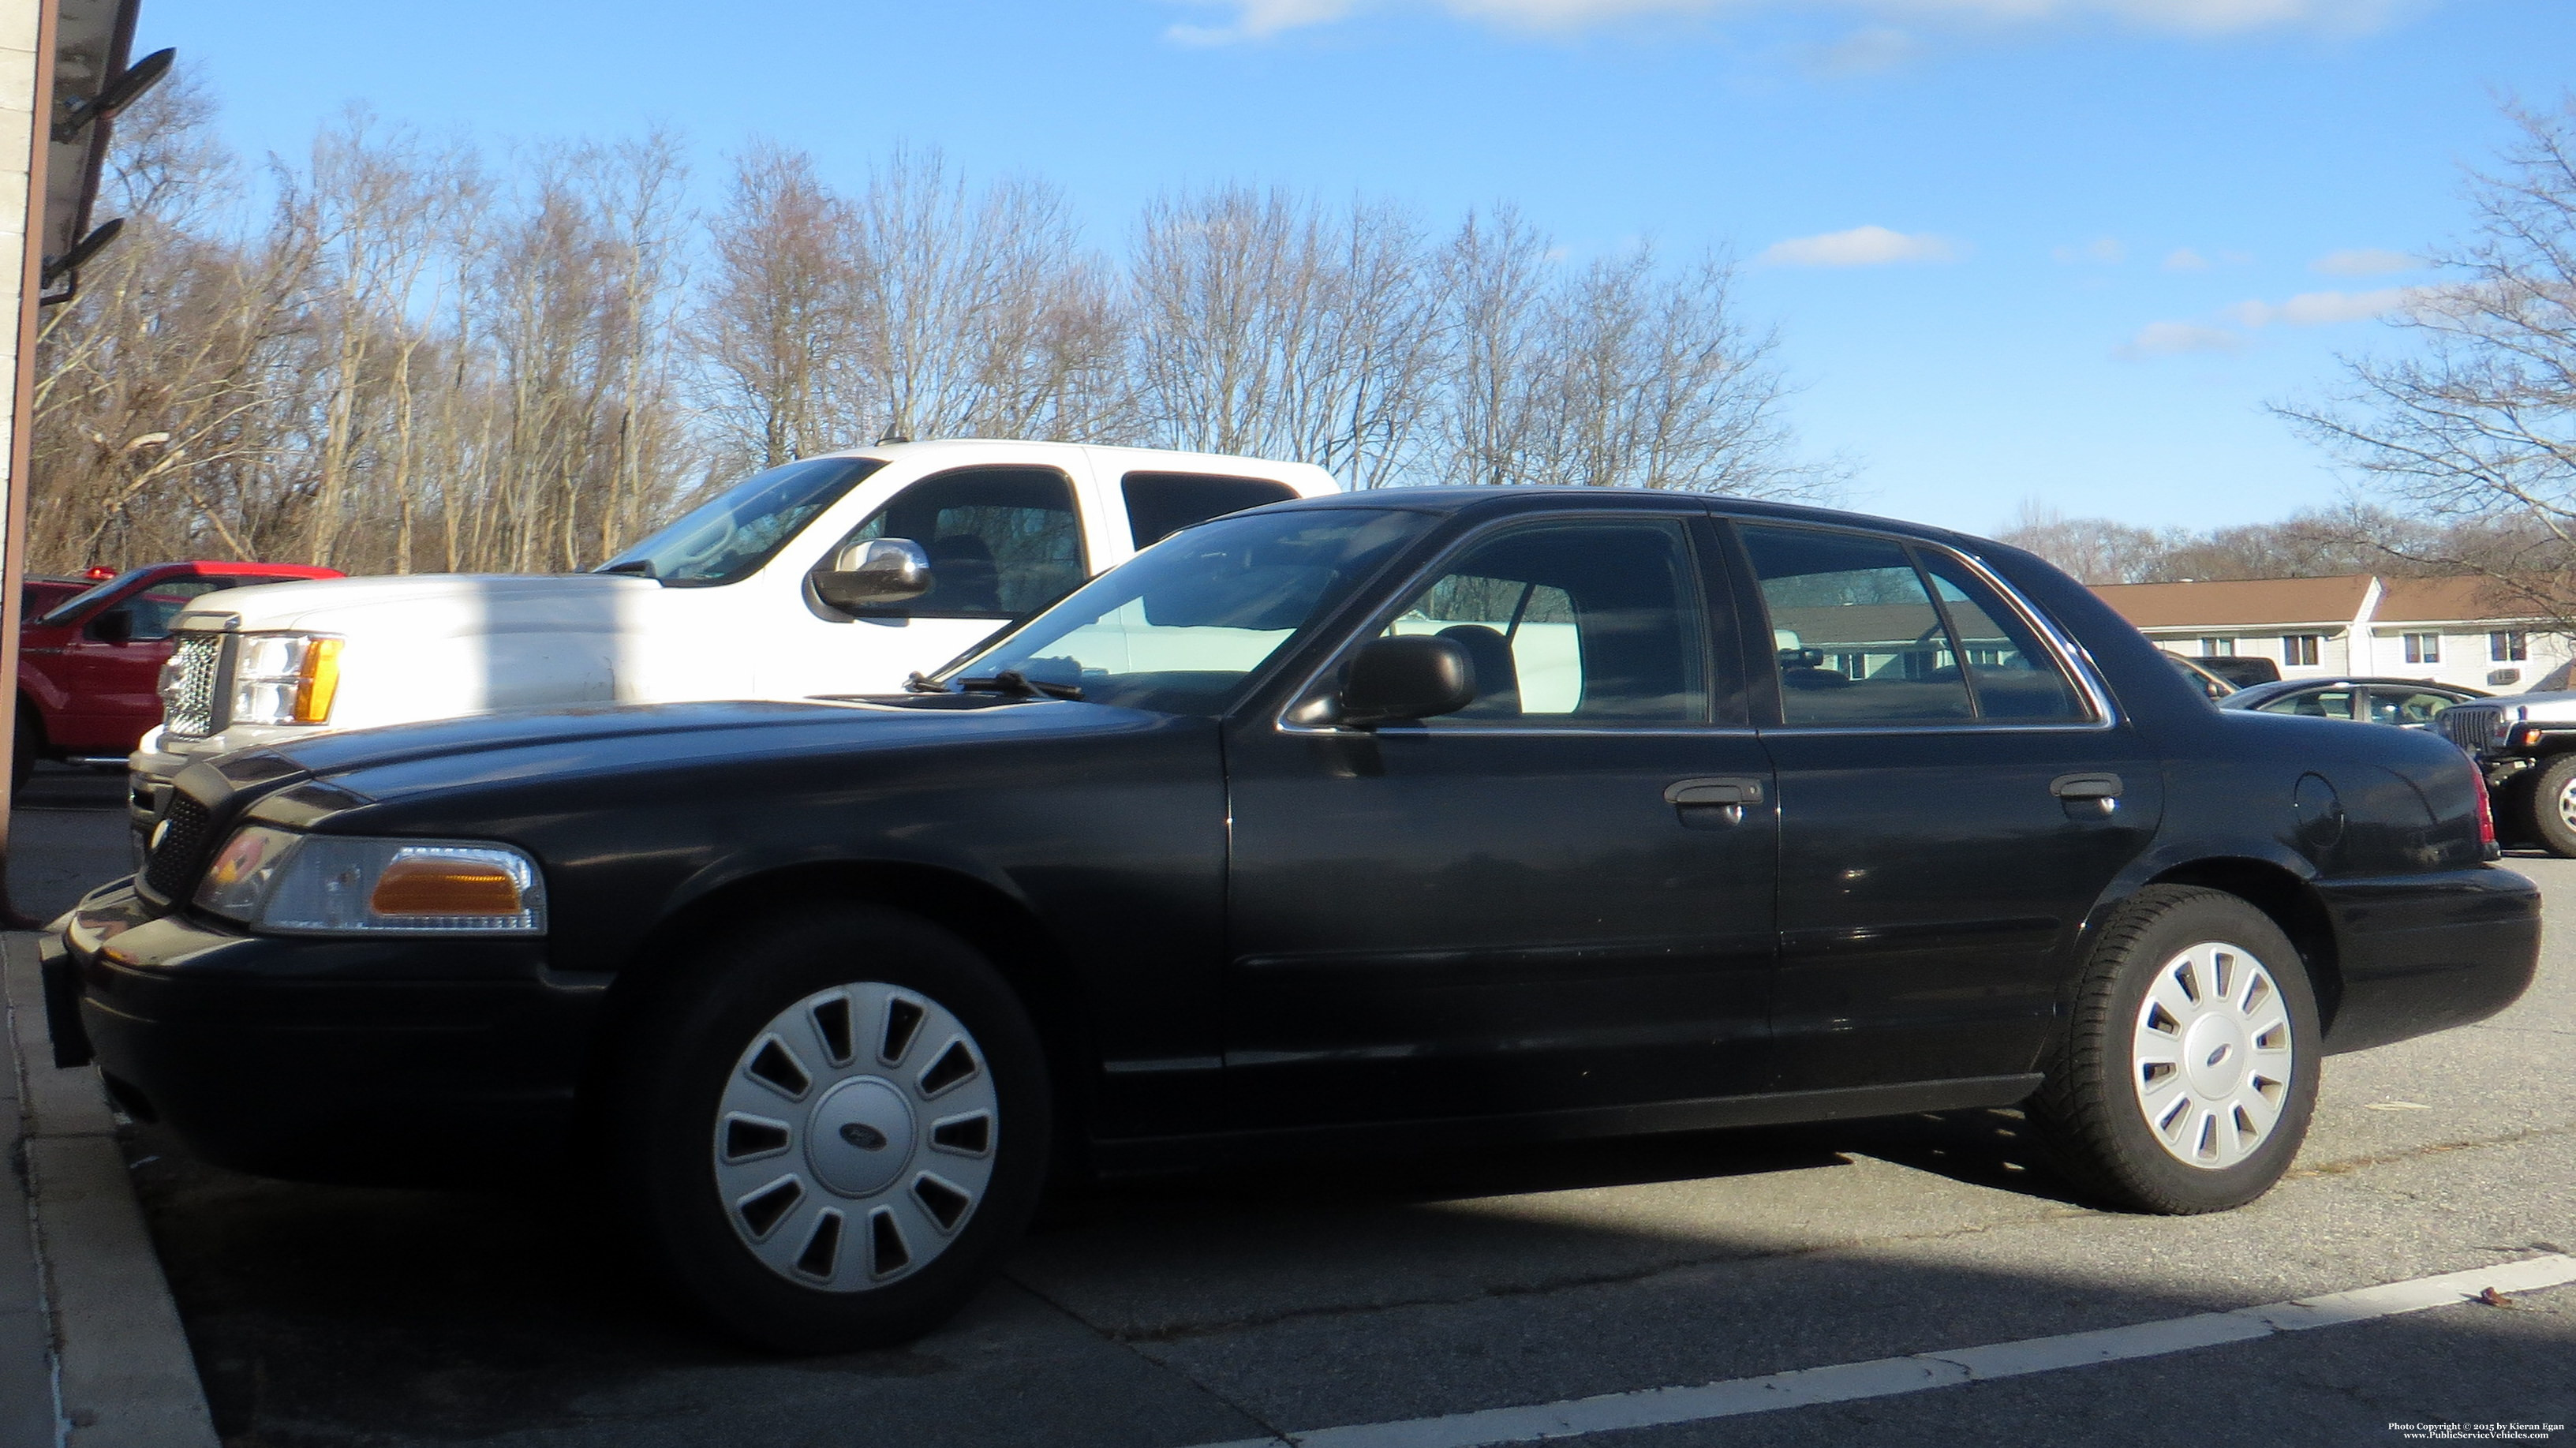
(1412, 676)
(873, 573)
(116, 626)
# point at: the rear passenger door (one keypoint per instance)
(1943, 775)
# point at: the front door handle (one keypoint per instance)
(2087, 794)
(1712, 803)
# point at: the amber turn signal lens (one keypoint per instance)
(318, 683)
(431, 885)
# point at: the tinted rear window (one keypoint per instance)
(1162, 504)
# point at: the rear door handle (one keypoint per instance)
(2085, 786)
(2087, 796)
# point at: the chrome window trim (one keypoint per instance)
(2070, 657)
(1280, 723)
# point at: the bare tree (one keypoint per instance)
(777, 326)
(978, 311)
(2478, 423)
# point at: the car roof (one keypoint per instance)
(1497, 501)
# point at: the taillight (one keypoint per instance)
(2486, 811)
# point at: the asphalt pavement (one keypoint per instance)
(1382, 1296)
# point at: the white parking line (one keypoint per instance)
(1887, 1377)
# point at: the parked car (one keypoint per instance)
(742, 598)
(2244, 671)
(89, 666)
(2526, 744)
(1422, 815)
(2406, 703)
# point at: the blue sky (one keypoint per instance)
(2051, 250)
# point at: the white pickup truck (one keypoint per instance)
(835, 574)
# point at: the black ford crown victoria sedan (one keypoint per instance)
(1522, 813)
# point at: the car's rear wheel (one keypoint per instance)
(832, 1127)
(2187, 1073)
(2553, 806)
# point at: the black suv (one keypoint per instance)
(1352, 821)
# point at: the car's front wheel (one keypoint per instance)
(2188, 1069)
(831, 1128)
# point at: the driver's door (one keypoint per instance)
(1512, 909)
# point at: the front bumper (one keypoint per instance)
(2423, 953)
(394, 1061)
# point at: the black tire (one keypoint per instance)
(2548, 805)
(695, 1042)
(2093, 1112)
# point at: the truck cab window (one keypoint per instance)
(1002, 541)
(1162, 504)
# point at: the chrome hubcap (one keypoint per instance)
(2210, 1055)
(855, 1137)
(2567, 805)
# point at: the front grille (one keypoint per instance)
(2472, 728)
(188, 696)
(178, 844)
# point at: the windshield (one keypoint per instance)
(729, 537)
(1180, 627)
(62, 612)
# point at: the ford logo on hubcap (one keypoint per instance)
(863, 1136)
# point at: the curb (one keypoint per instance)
(123, 1374)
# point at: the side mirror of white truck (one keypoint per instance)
(874, 573)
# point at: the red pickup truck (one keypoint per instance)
(89, 666)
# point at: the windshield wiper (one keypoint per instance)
(1013, 682)
(640, 567)
(918, 683)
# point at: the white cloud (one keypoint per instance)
(1860, 246)
(2365, 261)
(2183, 258)
(2167, 339)
(1874, 51)
(2105, 250)
(1260, 19)
(2320, 309)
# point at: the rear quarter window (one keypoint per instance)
(1161, 504)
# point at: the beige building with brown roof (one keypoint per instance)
(2446, 630)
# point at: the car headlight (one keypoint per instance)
(285, 679)
(272, 879)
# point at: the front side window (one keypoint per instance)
(1580, 622)
(157, 607)
(1181, 628)
(2423, 648)
(1002, 541)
